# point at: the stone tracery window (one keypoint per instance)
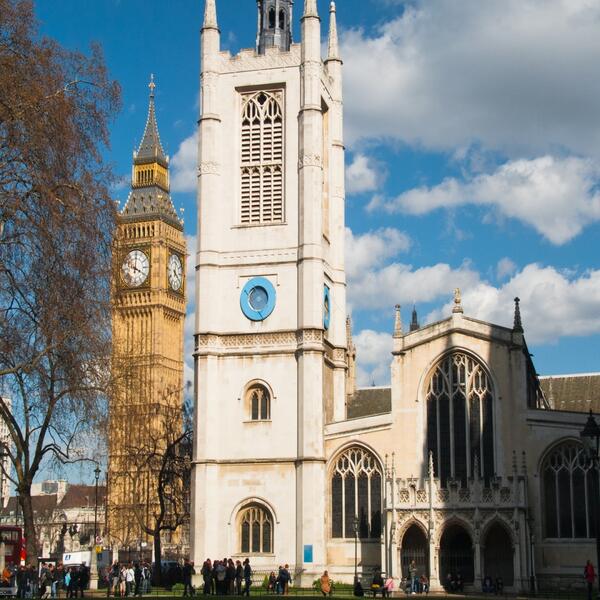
(259, 402)
(569, 483)
(262, 158)
(256, 530)
(356, 492)
(460, 419)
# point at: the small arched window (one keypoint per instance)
(282, 20)
(570, 486)
(259, 402)
(272, 18)
(256, 530)
(460, 419)
(356, 493)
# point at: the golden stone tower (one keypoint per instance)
(149, 303)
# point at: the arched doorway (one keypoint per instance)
(498, 555)
(456, 554)
(414, 547)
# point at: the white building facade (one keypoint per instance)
(460, 465)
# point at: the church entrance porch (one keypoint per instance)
(456, 555)
(498, 555)
(415, 547)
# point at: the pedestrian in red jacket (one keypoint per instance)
(589, 575)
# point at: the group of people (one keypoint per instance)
(280, 583)
(48, 580)
(223, 577)
(455, 583)
(490, 586)
(133, 579)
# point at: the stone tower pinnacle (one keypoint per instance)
(333, 50)
(274, 25)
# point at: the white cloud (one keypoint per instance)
(373, 353)
(518, 76)
(557, 197)
(371, 249)
(553, 304)
(363, 174)
(184, 166)
(505, 268)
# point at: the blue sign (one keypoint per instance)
(308, 553)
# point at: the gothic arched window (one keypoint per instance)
(569, 484)
(356, 492)
(460, 419)
(272, 18)
(262, 158)
(282, 20)
(259, 402)
(256, 530)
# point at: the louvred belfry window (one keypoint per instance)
(262, 158)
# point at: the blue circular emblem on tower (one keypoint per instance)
(257, 299)
(326, 307)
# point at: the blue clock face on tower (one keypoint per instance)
(257, 299)
(326, 307)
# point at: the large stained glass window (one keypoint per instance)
(460, 419)
(356, 493)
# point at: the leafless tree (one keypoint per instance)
(160, 468)
(56, 224)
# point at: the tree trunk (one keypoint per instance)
(31, 544)
(157, 572)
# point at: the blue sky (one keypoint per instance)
(473, 137)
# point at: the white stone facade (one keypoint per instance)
(277, 443)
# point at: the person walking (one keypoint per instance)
(247, 577)
(589, 575)
(414, 580)
(83, 579)
(239, 576)
(207, 576)
(325, 583)
(137, 577)
(188, 571)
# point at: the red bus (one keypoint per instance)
(14, 545)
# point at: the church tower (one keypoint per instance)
(274, 24)
(270, 343)
(149, 303)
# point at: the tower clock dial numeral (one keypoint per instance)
(135, 268)
(175, 272)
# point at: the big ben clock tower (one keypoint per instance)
(149, 302)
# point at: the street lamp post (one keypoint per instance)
(94, 558)
(97, 474)
(590, 435)
(355, 524)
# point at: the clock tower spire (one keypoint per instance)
(148, 312)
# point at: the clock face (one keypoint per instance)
(175, 272)
(135, 269)
(257, 299)
(326, 307)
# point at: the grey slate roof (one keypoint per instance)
(151, 202)
(577, 393)
(369, 401)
